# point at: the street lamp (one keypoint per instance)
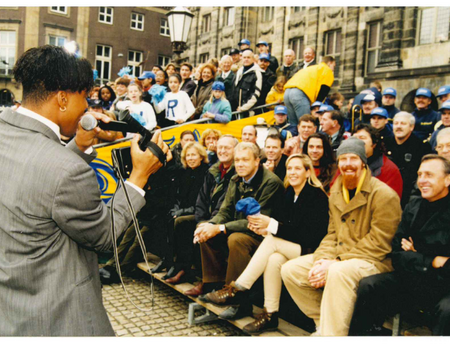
(180, 19)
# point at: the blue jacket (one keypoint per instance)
(392, 111)
(425, 121)
(220, 108)
(433, 140)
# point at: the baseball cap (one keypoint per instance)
(316, 104)
(443, 90)
(325, 108)
(280, 110)
(218, 85)
(264, 56)
(390, 91)
(380, 112)
(368, 98)
(445, 105)
(147, 75)
(262, 43)
(244, 42)
(234, 52)
(423, 92)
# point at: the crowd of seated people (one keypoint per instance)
(362, 216)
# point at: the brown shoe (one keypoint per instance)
(178, 278)
(263, 322)
(228, 295)
(196, 291)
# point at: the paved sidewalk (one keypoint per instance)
(168, 318)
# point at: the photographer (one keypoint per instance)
(52, 219)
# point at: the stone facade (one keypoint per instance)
(34, 25)
(401, 61)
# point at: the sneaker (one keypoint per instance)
(228, 295)
(263, 322)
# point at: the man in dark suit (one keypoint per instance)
(52, 219)
(226, 75)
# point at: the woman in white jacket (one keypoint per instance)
(139, 110)
(177, 104)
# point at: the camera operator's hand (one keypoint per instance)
(85, 139)
(145, 163)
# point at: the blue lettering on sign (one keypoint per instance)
(170, 107)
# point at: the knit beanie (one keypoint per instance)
(352, 145)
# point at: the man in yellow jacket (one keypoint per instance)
(364, 215)
(307, 86)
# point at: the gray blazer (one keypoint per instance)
(52, 221)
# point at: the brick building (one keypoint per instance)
(109, 37)
(402, 47)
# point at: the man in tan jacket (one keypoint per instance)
(364, 215)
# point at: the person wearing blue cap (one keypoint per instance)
(285, 129)
(244, 44)
(444, 123)
(263, 47)
(314, 109)
(388, 103)
(379, 120)
(358, 101)
(217, 109)
(426, 117)
(443, 93)
(147, 79)
(268, 76)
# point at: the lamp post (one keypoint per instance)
(180, 19)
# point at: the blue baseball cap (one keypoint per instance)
(264, 56)
(316, 104)
(325, 108)
(381, 112)
(280, 110)
(390, 91)
(445, 105)
(244, 42)
(262, 43)
(443, 90)
(218, 85)
(423, 92)
(147, 75)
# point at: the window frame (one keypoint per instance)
(226, 16)
(136, 69)
(376, 48)
(163, 60)
(103, 59)
(206, 22)
(106, 15)
(58, 10)
(267, 13)
(9, 47)
(298, 51)
(203, 58)
(337, 56)
(164, 27)
(434, 25)
(137, 21)
(49, 36)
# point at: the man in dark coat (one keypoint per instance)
(388, 103)
(420, 257)
(263, 47)
(269, 78)
(276, 160)
(226, 75)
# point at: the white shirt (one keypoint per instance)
(177, 106)
(143, 109)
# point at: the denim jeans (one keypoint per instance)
(297, 104)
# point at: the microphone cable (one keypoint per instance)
(138, 235)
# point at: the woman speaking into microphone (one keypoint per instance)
(52, 220)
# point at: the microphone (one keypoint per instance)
(88, 122)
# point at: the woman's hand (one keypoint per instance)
(259, 221)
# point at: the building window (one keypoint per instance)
(434, 25)
(297, 9)
(56, 40)
(206, 23)
(134, 61)
(164, 27)
(163, 60)
(7, 51)
(103, 58)
(228, 16)
(373, 46)
(59, 9)
(333, 48)
(267, 13)
(105, 15)
(225, 51)
(298, 45)
(204, 57)
(137, 21)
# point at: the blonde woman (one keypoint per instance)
(209, 141)
(300, 231)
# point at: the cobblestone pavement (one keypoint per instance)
(168, 318)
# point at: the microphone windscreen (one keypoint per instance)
(88, 122)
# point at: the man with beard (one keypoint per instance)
(406, 151)
(364, 214)
(420, 255)
(426, 117)
(226, 243)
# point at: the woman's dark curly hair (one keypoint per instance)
(48, 69)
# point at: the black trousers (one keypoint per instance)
(183, 242)
(389, 293)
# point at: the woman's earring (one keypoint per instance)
(62, 109)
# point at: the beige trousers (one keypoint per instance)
(330, 308)
(272, 253)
